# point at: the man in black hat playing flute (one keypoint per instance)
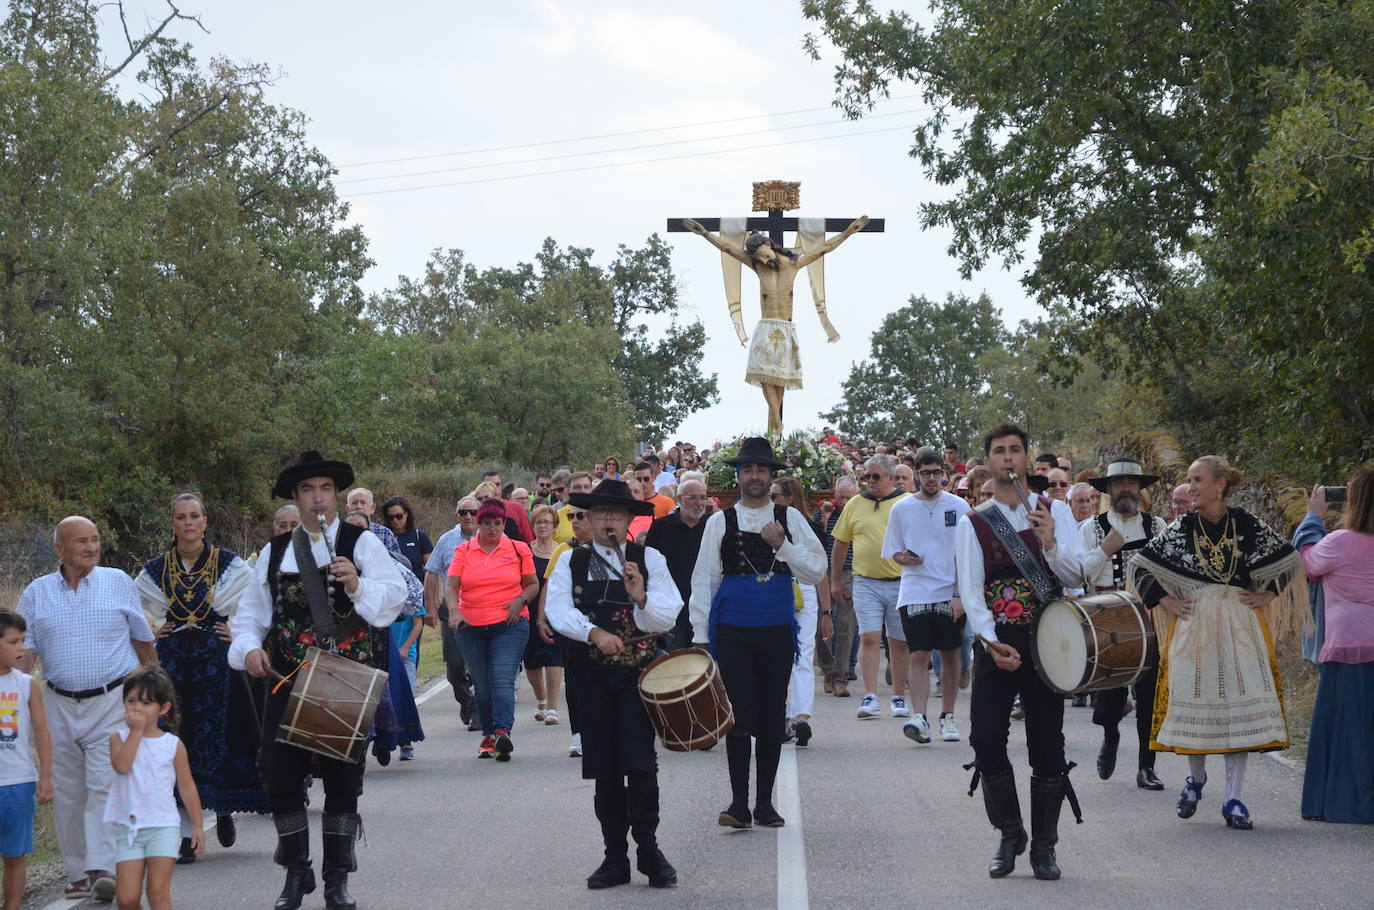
(744, 606)
(613, 595)
(333, 585)
(1110, 541)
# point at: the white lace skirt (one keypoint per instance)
(774, 358)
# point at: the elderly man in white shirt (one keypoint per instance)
(743, 608)
(333, 585)
(86, 627)
(1109, 541)
(606, 593)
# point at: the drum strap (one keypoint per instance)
(322, 621)
(1043, 585)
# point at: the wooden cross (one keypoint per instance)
(776, 197)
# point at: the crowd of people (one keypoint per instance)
(162, 692)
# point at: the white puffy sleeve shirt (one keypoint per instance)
(662, 602)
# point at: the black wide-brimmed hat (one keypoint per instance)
(310, 464)
(1122, 467)
(756, 450)
(613, 493)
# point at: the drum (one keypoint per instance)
(1092, 643)
(685, 698)
(330, 706)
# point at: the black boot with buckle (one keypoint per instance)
(1004, 811)
(1047, 796)
(293, 852)
(340, 835)
(611, 812)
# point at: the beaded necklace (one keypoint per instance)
(180, 586)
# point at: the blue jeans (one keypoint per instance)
(493, 654)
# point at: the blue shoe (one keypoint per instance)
(1188, 799)
(1236, 815)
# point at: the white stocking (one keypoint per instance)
(1197, 767)
(1235, 774)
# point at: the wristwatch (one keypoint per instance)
(827, 612)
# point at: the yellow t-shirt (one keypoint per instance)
(863, 528)
(557, 554)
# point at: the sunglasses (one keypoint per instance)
(396, 516)
(467, 512)
(544, 486)
(577, 516)
(776, 496)
(1058, 485)
(559, 489)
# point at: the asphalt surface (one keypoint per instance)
(884, 822)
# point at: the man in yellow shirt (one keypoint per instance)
(580, 482)
(877, 582)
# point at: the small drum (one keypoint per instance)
(686, 701)
(1102, 641)
(329, 709)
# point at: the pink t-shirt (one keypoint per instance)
(1344, 562)
(489, 581)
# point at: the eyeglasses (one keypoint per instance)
(934, 473)
(871, 478)
(466, 512)
(577, 516)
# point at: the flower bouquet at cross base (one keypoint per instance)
(815, 464)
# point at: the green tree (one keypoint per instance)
(926, 373)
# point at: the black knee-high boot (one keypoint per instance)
(613, 814)
(1047, 796)
(737, 815)
(1004, 811)
(767, 752)
(293, 852)
(340, 835)
(643, 804)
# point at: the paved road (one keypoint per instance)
(883, 822)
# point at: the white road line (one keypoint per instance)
(792, 890)
(432, 691)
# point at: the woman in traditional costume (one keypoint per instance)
(192, 589)
(1224, 581)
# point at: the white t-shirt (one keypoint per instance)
(146, 796)
(925, 527)
(16, 730)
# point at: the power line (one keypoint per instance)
(595, 167)
(656, 129)
(632, 148)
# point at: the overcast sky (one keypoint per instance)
(406, 79)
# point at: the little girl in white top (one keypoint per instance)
(150, 768)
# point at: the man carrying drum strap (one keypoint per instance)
(604, 594)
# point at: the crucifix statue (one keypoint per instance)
(774, 362)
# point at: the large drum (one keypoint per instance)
(329, 709)
(1088, 644)
(686, 701)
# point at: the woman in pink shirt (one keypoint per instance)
(1338, 785)
(492, 580)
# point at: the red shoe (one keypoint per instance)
(488, 747)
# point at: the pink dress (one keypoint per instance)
(1344, 563)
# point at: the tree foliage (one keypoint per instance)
(1194, 177)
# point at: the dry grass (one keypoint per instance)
(1299, 695)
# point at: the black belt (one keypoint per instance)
(88, 693)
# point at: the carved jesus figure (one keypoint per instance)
(774, 360)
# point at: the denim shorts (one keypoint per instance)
(160, 841)
(16, 819)
(875, 605)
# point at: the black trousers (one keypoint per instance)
(756, 666)
(994, 690)
(455, 668)
(1112, 702)
(286, 768)
(617, 737)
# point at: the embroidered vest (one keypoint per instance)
(291, 631)
(1007, 593)
(746, 552)
(604, 601)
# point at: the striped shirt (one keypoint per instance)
(83, 636)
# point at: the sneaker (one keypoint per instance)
(407, 753)
(1017, 712)
(899, 708)
(869, 707)
(575, 746)
(949, 731)
(917, 729)
(503, 746)
(488, 747)
(803, 732)
(789, 732)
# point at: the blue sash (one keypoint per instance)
(743, 600)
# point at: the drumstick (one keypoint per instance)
(997, 646)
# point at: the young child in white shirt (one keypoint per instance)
(23, 728)
(150, 769)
